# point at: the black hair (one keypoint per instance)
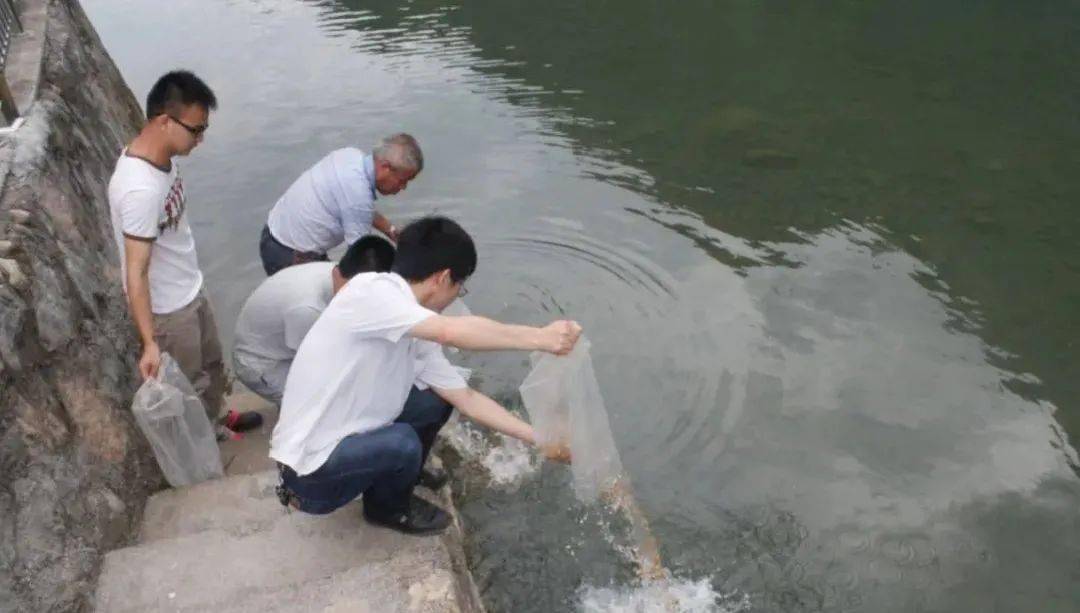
(177, 89)
(369, 253)
(431, 244)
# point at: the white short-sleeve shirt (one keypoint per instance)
(354, 370)
(333, 201)
(147, 203)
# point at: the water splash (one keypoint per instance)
(509, 462)
(681, 595)
(506, 460)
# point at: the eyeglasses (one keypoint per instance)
(195, 131)
(462, 290)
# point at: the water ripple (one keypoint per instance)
(623, 265)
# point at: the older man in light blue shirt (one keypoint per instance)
(334, 202)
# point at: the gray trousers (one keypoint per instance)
(264, 377)
(190, 336)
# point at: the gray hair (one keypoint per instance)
(401, 151)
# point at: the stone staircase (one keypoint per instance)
(227, 545)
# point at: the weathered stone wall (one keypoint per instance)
(74, 469)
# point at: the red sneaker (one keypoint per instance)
(242, 422)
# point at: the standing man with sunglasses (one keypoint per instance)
(159, 267)
(334, 201)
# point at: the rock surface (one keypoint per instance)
(74, 469)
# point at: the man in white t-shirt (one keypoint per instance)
(159, 267)
(334, 201)
(370, 386)
(279, 313)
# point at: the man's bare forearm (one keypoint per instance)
(488, 413)
(139, 303)
(381, 223)
(482, 334)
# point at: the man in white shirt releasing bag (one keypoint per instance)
(334, 201)
(279, 313)
(160, 269)
(370, 386)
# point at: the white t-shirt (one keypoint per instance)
(354, 370)
(279, 313)
(148, 203)
(333, 201)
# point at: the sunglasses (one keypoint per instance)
(195, 131)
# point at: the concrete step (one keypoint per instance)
(237, 505)
(398, 586)
(296, 558)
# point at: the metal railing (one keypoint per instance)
(9, 27)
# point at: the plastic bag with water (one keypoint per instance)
(565, 406)
(173, 419)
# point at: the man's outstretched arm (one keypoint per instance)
(483, 334)
(490, 414)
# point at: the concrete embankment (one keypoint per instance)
(75, 472)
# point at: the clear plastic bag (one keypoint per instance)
(173, 419)
(565, 406)
(458, 308)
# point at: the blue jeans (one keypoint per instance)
(276, 256)
(427, 413)
(382, 465)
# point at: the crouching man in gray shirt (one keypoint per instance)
(279, 313)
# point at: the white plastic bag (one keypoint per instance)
(173, 419)
(565, 406)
